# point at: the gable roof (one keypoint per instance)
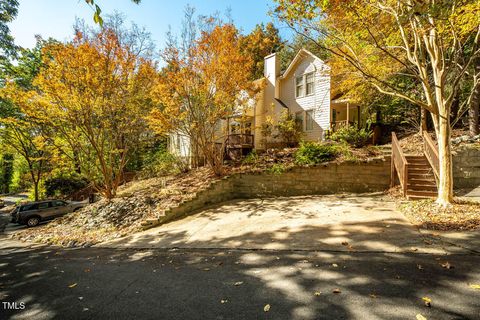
(302, 53)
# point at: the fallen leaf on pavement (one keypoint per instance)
(475, 286)
(206, 269)
(446, 265)
(223, 301)
(73, 285)
(334, 265)
(266, 308)
(238, 283)
(86, 270)
(336, 290)
(373, 296)
(427, 301)
(420, 317)
(317, 293)
(420, 267)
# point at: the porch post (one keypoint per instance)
(348, 114)
(358, 117)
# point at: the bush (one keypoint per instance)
(161, 163)
(251, 158)
(313, 153)
(289, 131)
(276, 169)
(352, 135)
(64, 185)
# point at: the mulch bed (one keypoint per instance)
(463, 215)
(108, 220)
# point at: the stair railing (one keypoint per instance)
(431, 153)
(399, 164)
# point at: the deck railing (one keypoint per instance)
(239, 139)
(399, 164)
(431, 153)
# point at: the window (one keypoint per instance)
(299, 119)
(43, 205)
(310, 83)
(299, 86)
(59, 203)
(309, 120)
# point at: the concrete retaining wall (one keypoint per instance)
(369, 176)
(466, 166)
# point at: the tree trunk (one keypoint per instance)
(35, 189)
(473, 111)
(423, 120)
(445, 184)
(475, 100)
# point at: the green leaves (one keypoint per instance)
(96, 17)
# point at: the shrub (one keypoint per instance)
(289, 131)
(352, 135)
(313, 153)
(276, 169)
(251, 158)
(161, 163)
(64, 185)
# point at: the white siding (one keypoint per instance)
(180, 145)
(319, 102)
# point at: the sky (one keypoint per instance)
(54, 18)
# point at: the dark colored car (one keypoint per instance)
(2, 203)
(33, 213)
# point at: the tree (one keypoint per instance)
(6, 172)
(24, 136)
(379, 37)
(291, 48)
(262, 41)
(97, 15)
(19, 133)
(93, 93)
(202, 84)
(8, 12)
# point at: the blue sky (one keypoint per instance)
(54, 18)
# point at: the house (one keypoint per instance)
(303, 90)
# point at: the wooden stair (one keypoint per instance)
(415, 173)
(421, 182)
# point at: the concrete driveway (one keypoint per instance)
(366, 222)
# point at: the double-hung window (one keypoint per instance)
(309, 120)
(305, 85)
(309, 83)
(299, 86)
(299, 120)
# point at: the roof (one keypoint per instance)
(300, 55)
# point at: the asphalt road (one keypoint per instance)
(102, 283)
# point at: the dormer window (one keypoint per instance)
(299, 86)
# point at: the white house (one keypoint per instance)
(303, 90)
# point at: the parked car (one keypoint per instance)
(2, 203)
(33, 213)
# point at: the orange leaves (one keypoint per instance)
(203, 87)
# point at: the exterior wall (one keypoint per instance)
(319, 102)
(330, 178)
(270, 109)
(466, 167)
(179, 145)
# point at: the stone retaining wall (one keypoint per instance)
(368, 176)
(466, 166)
